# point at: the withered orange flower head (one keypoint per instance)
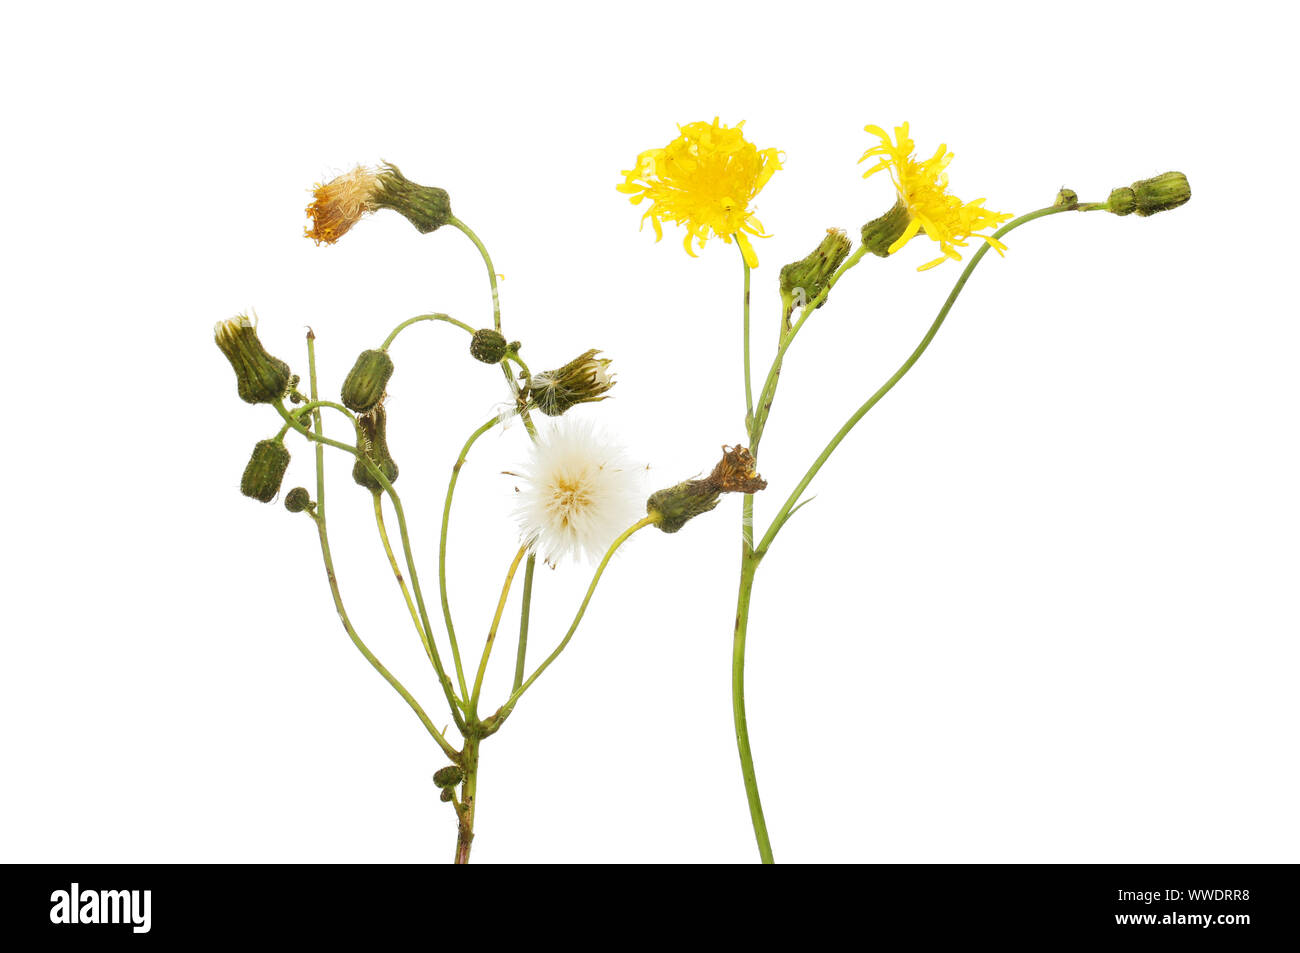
(340, 203)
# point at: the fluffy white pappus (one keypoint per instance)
(578, 492)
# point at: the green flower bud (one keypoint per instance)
(426, 207)
(678, 505)
(374, 446)
(448, 777)
(880, 233)
(363, 388)
(1066, 198)
(297, 500)
(1160, 194)
(262, 379)
(488, 346)
(1121, 202)
(582, 380)
(446, 795)
(802, 281)
(265, 471)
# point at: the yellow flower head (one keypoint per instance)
(339, 204)
(704, 179)
(923, 192)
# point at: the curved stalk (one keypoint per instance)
(492, 632)
(442, 550)
(493, 724)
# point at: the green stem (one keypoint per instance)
(749, 392)
(768, 393)
(492, 632)
(749, 564)
(397, 574)
(493, 724)
(784, 513)
(319, 517)
(524, 611)
(491, 269)
(468, 797)
(388, 341)
(442, 550)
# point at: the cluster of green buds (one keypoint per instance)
(803, 281)
(675, 506)
(583, 380)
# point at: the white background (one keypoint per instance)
(1042, 609)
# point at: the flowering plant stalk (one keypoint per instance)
(580, 496)
(706, 179)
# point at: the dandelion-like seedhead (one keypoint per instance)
(923, 200)
(705, 179)
(578, 492)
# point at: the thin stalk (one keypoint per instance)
(442, 550)
(397, 574)
(492, 632)
(749, 392)
(524, 611)
(422, 317)
(491, 269)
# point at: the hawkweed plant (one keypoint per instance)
(579, 497)
(706, 180)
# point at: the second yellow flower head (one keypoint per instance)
(923, 192)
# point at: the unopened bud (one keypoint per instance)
(804, 280)
(265, 471)
(262, 379)
(363, 388)
(678, 505)
(1160, 194)
(1066, 198)
(488, 346)
(448, 777)
(446, 795)
(880, 234)
(297, 500)
(374, 447)
(1121, 202)
(582, 380)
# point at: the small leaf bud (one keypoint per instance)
(297, 500)
(488, 346)
(448, 777)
